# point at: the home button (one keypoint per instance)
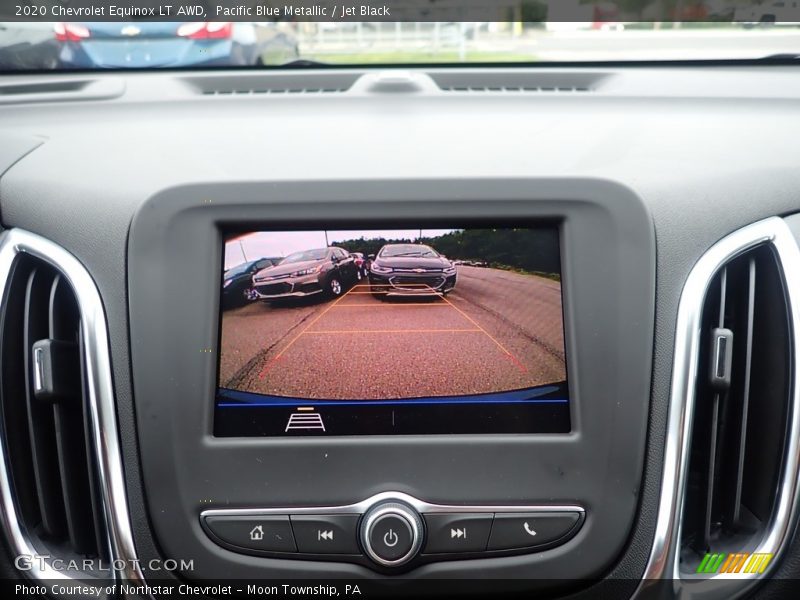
(391, 533)
(271, 533)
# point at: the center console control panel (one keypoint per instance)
(392, 530)
(272, 472)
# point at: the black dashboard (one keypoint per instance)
(671, 280)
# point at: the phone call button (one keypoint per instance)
(514, 531)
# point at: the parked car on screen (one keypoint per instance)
(237, 282)
(318, 271)
(172, 44)
(410, 269)
(474, 263)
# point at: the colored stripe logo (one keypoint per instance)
(736, 562)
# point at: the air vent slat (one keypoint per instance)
(718, 385)
(98, 515)
(75, 479)
(770, 382)
(62, 312)
(13, 392)
(41, 422)
(736, 510)
(711, 475)
(64, 326)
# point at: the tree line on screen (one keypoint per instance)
(530, 250)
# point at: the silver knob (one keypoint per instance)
(391, 533)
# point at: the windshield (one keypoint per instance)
(304, 256)
(714, 30)
(407, 250)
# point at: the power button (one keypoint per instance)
(391, 533)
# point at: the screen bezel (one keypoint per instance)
(556, 225)
(608, 261)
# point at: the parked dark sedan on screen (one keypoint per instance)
(237, 283)
(410, 269)
(171, 44)
(319, 271)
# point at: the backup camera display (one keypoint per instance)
(404, 331)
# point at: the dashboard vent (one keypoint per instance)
(518, 81)
(247, 84)
(45, 87)
(43, 392)
(743, 391)
(257, 91)
(19, 90)
(525, 89)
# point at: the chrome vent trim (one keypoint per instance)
(662, 575)
(104, 439)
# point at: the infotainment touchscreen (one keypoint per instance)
(401, 331)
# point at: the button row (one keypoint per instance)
(309, 534)
(446, 533)
(479, 532)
